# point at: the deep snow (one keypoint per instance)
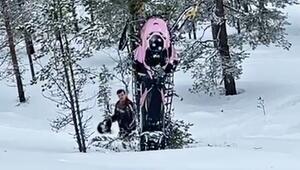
(233, 133)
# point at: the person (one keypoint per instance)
(124, 114)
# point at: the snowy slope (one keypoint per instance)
(233, 133)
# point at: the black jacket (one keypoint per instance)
(125, 116)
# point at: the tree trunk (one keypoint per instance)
(91, 11)
(136, 9)
(238, 24)
(68, 83)
(7, 20)
(30, 51)
(71, 97)
(28, 39)
(76, 96)
(74, 15)
(73, 88)
(190, 34)
(194, 30)
(221, 43)
(78, 111)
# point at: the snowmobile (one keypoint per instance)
(155, 61)
(155, 58)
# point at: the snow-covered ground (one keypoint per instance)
(233, 133)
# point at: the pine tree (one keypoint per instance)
(25, 26)
(257, 23)
(221, 43)
(64, 77)
(109, 18)
(6, 12)
(260, 22)
(91, 8)
(104, 95)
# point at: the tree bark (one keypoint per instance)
(28, 39)
(74, 14)
(136, 9)
(76, 95)
(238, 24)
(73, 87)
(194, 30)
(221, 43)
(68, 82)
(91, 11)
(30, 51)
(71, 97)
(7, 20)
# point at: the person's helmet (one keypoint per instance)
(104, 126)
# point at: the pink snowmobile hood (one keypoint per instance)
(153, 26)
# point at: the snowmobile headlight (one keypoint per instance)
(156, 43)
